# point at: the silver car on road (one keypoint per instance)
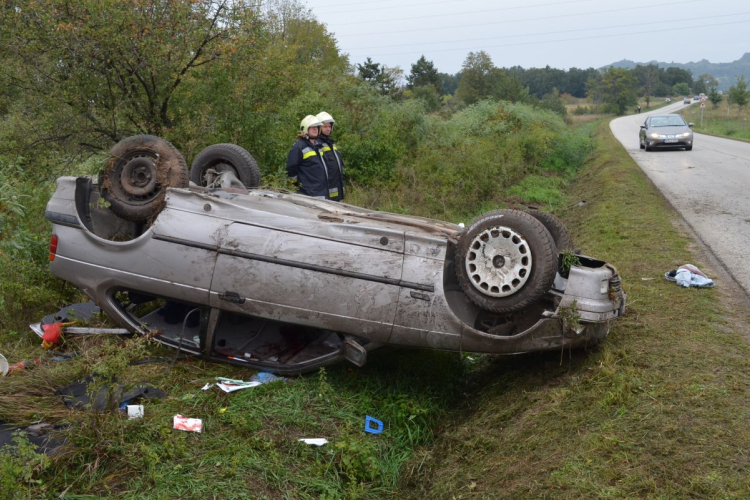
(666, 131)
(286, 283)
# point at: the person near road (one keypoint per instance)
(639, 109)
(332, 157)
(305, 165)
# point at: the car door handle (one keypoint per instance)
(232, 297)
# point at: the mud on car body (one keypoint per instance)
(285, 283)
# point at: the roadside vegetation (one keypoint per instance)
(724, 115)
(629, 419)
(442, 146)
(514, 155)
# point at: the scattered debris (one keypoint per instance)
(74, 312)
(647, 279)
(688, 275)
(581, 203)
(368, 425)
(314, 441)
(188, 424)
(53, 330)
(206, 387)
(26, 364)
(51, 335)
(80, 330)
(135, 411)
(42, 435)
(3, 366)
(76, 395)
(231, 385)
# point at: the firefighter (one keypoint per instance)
(305, 164)
(332, 157)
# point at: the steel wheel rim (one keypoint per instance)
(498, 262)
(136, 178)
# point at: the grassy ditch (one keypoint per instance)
(720, 121)
(249, 447)
(659, 411)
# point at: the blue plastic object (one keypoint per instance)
(368, 425)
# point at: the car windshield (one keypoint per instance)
(667, 121)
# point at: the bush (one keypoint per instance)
(465, 164)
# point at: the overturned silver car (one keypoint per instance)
(285, 283)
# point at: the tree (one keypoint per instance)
(681, 88)
(738, 93)
(480, 79)
(714, 96)
(449, 83)
(617, 87)
(674, 75)
(422, 73)
(704, 83)
(648, 78)
(386, 80)
(113, 68)
(369, 71)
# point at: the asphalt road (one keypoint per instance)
(709, 186)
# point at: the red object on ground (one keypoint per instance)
(52, 332)
(23, 365)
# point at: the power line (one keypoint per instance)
(548, 32)
(563, 39)
(558, 16)
(454, 1)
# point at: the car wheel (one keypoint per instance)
(506, 261)
(560, 234)
(140, 169)
(647, 147)
(640, 143)
(222, 158)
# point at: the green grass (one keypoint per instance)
(659, 411)
(249, 446)
(732, 123)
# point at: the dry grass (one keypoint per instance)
(721, 120)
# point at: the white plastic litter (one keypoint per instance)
(315, 441)
(3, 366)
(231, 385)
(187, 424)
(135, 411)
(688, 275)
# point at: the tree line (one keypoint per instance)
(79, 76)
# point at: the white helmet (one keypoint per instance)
(307, 122)
(324, 117)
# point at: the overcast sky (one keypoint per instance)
(536, 33)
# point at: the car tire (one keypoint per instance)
(138, 172)
(226, 157)
(518, 261)
(647, 147)
(641, 145)
(560, 234)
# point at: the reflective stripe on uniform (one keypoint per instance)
(326, 149)
(307, 155)
(293, 179)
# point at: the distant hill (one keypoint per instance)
(726, 73)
